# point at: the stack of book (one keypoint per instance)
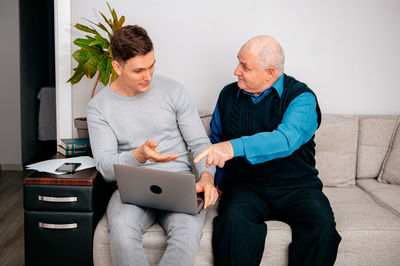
(74, 147)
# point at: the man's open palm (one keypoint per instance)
(147, 151)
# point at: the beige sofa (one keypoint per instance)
(352, 151)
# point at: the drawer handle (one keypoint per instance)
(58, 199)
(58, 226)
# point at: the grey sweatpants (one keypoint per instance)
(127, 223)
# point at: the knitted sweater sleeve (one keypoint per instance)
(104, 145)
(192, 129)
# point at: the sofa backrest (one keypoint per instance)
(373, 143)
(336, 149)
(206, 119)
(347, 146)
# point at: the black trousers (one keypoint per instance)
(239, 229)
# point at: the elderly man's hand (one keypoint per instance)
(147, 151)
(206, 185)
(217, 154)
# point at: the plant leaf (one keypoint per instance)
(101, 41)
(106, 20)
(90, 21)
(76, 77)
(86, 43)
(114, 75)
(114, 18)
(113, 14)
(83, 43)
(120, 22)
(101, 26)
(105, 68)
(85, 28)
(88, 60)
(84, 53)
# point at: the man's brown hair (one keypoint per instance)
(130, 41)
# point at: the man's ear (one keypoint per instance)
(270, 73)
(117, 67)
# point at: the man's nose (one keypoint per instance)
(147, 75)
(237, 71)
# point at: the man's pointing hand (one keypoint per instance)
(216, 154)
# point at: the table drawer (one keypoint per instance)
(58, 198)
(58, 238)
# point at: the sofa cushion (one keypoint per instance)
(336, 150)
(386, 195)
(365, 227)
(355, 210)
(373, 143)
(390, 172)
(101, 244)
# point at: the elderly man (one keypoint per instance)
(147, 120)
(263, 127)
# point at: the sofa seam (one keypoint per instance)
(357, 149)
(379, 201)
(362, 230)
(389, 149)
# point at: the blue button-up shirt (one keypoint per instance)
(298, 125)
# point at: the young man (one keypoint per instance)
(149, 121)
(263, 127)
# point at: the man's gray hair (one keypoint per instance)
(269, 52)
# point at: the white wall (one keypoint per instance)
(63, 69)
(346, 51)
(10, 115)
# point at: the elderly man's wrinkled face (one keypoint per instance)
(251, 78)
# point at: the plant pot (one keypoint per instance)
(81, 127)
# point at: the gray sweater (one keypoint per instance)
(165, 113)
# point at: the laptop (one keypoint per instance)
(158, 189)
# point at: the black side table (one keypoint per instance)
(61, 213)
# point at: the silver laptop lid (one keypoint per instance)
(157, 189)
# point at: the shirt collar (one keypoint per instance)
(278, 86)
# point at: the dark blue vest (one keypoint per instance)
(241, 117)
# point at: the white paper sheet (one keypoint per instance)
(50, 166)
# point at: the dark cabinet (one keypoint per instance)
(61, 213)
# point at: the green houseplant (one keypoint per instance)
(94, 56)
(94, 53)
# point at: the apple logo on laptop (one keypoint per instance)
(155, 189)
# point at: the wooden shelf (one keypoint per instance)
(80, 178)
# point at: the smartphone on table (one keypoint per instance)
(68, 168)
